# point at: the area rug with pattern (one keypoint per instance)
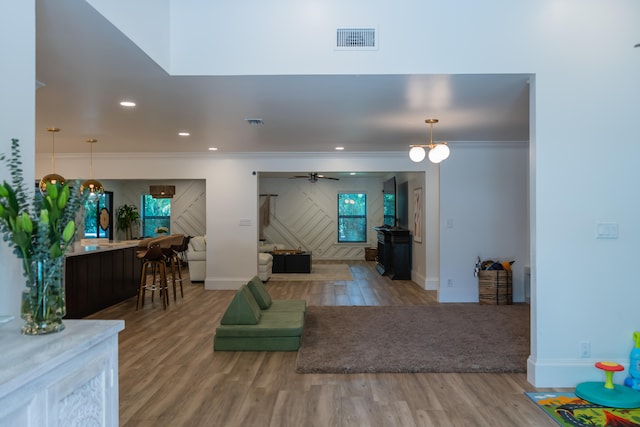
(568, 410)
(431, 338)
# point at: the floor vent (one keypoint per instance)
(356, 38)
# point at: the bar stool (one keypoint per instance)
(154, 259)
(166, 244)
(178, 246)
(182, 250)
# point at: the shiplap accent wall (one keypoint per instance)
(188, 213)
(304, 214)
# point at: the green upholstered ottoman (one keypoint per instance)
(276, 331)
(255, 322)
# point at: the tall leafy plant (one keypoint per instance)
(126, 217)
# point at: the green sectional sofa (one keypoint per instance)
(255, 322)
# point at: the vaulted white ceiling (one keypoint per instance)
(87, 66)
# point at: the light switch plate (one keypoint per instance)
(607, 230)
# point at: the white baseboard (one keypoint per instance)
(228, 284)
(561, 373)
(433, 283)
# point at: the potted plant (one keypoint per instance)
(126, 217)
(39, 229)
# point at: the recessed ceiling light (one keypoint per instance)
(184, 133)
(213, 148)
(339, 148)
(127, 103)
(352, 173)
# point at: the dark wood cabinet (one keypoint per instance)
(394, 252)
(291, 263)
(96, 280)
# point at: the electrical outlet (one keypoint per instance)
(585, 349)
(449, 283)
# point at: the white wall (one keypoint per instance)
(425, 263)
(17, 115)
(483, 208)
(146, 22)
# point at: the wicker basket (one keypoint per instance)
(370, 254)
(495, 287)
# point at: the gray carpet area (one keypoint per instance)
(433, 338)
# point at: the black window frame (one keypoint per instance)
(351, 217)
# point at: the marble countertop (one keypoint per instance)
(24, 358)
(79, 249)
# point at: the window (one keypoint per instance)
(352, 217)
(98, 216)
(156, 215)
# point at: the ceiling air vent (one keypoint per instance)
(356, 38)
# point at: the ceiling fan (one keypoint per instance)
(314, 177)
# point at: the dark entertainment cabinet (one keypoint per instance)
(291, 262)
(394, 252)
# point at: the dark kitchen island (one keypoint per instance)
(97, 277)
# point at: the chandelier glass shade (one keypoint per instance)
(437, 152)
(53, 177)
(417, 154)
(92, 186)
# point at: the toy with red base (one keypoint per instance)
(608, 393)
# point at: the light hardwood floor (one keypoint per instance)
(170, 375)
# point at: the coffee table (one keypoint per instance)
(291, 261)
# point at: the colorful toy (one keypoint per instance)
(608, 393)
(633, 380)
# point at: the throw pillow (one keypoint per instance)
(259, 292)
(243, 309)
(198, 243)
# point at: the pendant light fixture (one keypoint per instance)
(437, 152)
(162, 191)
(94, 187)
(53, 177)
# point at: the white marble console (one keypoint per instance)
(69, 378)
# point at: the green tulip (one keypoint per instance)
(3, 190)
(17, 225)
(69, 229)
(54, 250)
(47, 202)
(44, 217)
(64, 197)
(27, 225)
(52, 190)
